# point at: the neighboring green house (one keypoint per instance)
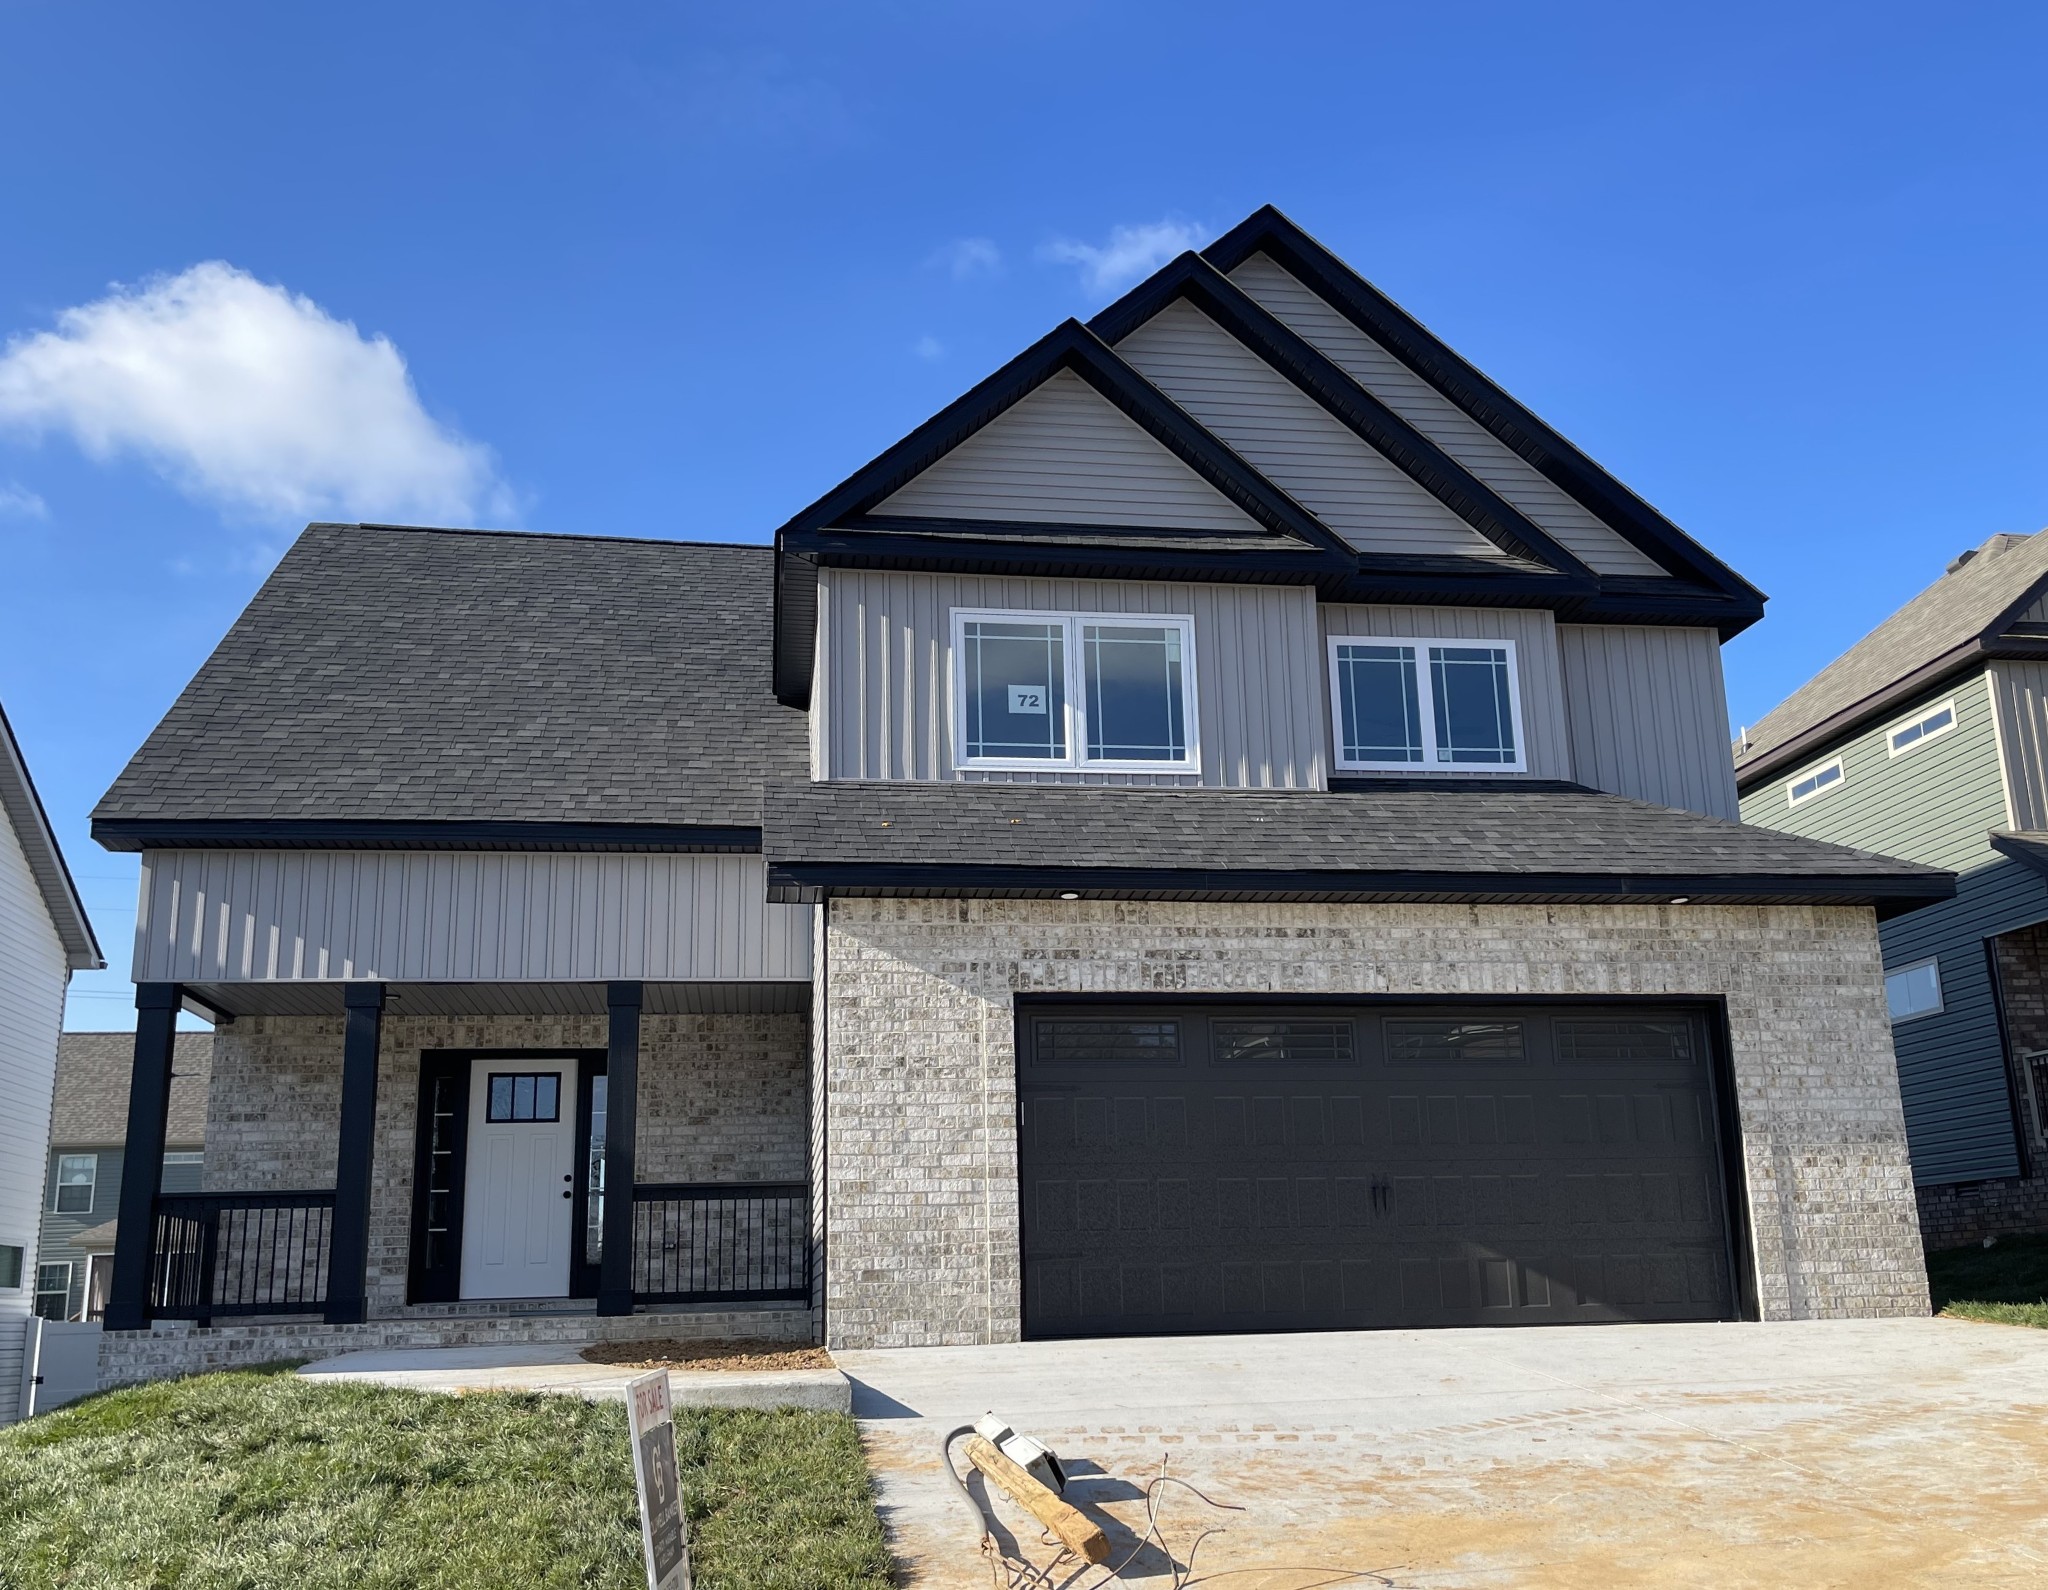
(1928, 740)
(82, 1186)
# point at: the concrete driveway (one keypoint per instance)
(1863, 1453)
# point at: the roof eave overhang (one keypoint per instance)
(22, 808)
(143, 833)
(1971, 654)
(809, 883)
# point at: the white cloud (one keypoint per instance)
(967, 257)
(1132, 253)
(929, 348)
(18, 502)
(249, 397)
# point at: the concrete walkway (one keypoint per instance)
(1860, 1453)
(559, 1367)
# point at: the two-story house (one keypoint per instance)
(1225, 827)
(1928, 739)
(82, 1187)
(44, 938)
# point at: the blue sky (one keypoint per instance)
(673, 270)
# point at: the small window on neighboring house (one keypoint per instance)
(76, 1174)
(1804, 788)
(1903, 737)
(53, 1291)
(10, 1268)
(1425, 705)
(1075, 690)
(1914, 990)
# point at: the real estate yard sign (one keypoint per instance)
(654, 1471)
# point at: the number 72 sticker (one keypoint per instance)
(1028, 698)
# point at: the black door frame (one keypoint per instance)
(1711, 1009)
(443, 1282)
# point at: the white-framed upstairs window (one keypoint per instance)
(1917, 730)
(1417, 704)
(71, 1192)
(1111, 691)
(1814, 783)
(1913, 991)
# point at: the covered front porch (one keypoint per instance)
(431, 1163)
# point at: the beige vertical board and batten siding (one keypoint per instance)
(1649, 714)
(1293, 440)
(883, 701)
(1569, 521)
(1533, 631)
(2019, 694)
(1063, 454)
(212, 916)
(32, 976)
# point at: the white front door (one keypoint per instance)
(518, 1194)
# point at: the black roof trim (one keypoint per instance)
(1450, 783)
(1069, 347)
(1268, 231)
(1193, 278)
(142, 833)
(805, 883)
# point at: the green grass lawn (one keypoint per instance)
(2006, 1283)
(263, 1481)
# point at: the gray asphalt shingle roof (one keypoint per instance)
(90, 1109)
(1491, 833)
(391, 674)
(1956, 608)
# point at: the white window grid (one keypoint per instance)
(91, 1184)
(46, 1272)
(1426, 705)
(1821, 785)
(1891, 734)
(1076, 690)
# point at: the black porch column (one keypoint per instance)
(348, 1253)
(621, 1112)
(142, 1159)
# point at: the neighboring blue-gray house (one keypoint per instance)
(1928, 739)
(88, 1126)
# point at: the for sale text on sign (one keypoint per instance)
(654, 1470)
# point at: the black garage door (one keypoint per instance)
(1243, 1168)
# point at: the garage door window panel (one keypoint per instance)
(1283, 1042)
(1108, 1043)
(1445, 1042)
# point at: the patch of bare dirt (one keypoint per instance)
(666, 1352)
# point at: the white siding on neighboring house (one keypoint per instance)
(216, 916)
(1649, 714)
(882, 707)
(1293, 440)
(1569, 521)
(32, 974)
(1064, 454)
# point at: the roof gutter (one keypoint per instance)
(808, 883)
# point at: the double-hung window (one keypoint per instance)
(1096, 690)
(76, 1174)
(53, 1291)
(1422, 705)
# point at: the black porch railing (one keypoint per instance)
(722, 1242)
(238, 1254)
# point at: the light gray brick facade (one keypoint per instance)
(917, 1069)
(722, 1098)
